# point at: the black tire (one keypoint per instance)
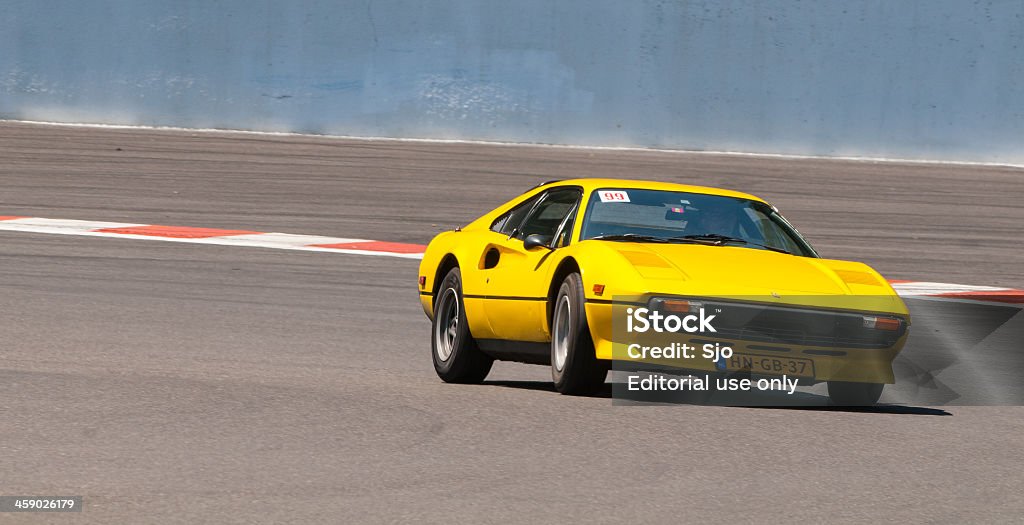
(574, 367)
(457, 359)
(854, 394)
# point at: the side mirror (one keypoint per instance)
(537, 240)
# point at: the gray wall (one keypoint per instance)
(914, 79)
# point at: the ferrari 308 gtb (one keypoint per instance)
(537, 280)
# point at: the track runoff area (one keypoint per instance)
(239, 311)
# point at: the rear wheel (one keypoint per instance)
(847, 394)
(457, 359)
(574, 367)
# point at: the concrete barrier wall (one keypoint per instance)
(933, 79)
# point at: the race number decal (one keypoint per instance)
(613, 196)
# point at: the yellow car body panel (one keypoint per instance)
(510, 302)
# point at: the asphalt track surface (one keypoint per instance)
(190, 383)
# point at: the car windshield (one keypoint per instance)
(670, 216)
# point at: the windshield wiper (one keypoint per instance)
(634, 237)
(713, 237)
(719, 239)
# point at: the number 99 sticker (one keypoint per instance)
(613, 196)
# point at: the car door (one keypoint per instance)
(516, 278)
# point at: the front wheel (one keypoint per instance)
(574, 367)
(847, 394)
(457, 359)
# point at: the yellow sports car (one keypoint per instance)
(551, 276)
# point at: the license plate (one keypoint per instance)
(759, 364)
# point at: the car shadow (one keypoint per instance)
(797, 401)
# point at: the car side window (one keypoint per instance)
(550, 213)
(510, 220)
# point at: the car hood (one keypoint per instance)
(735, 270)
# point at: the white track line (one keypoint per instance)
(795, 156)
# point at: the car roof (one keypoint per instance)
(594, 184)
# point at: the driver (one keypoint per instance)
(721, 220)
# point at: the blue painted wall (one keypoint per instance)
(936, 79)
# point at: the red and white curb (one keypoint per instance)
(152, 232)
(316, 243)
(958, 291)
